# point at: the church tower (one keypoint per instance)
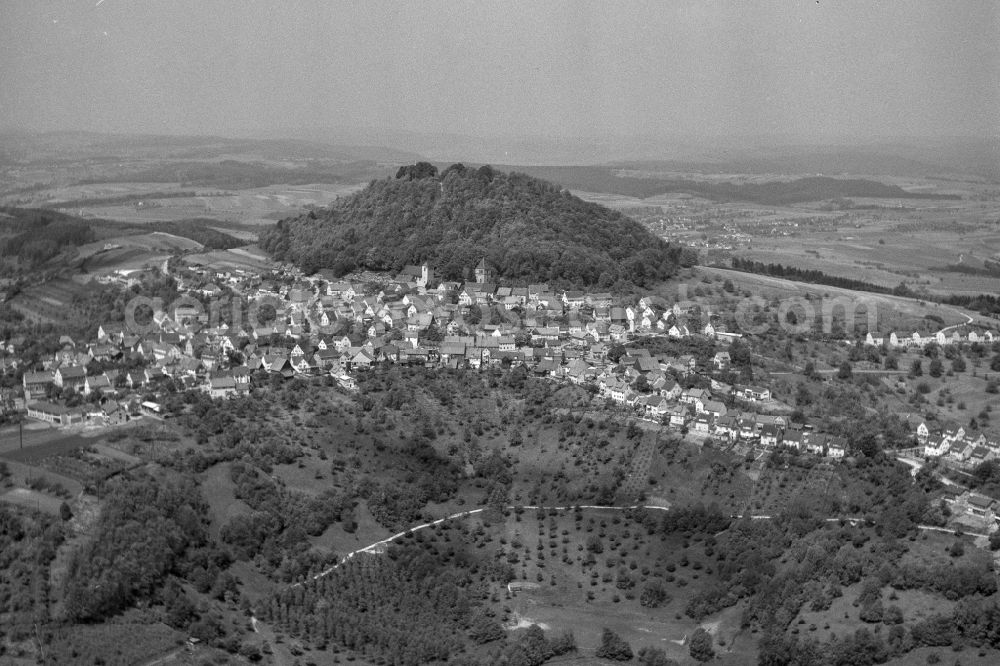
(483, 272)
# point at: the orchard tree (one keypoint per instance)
(652, 656)
(700, 646)
(613, 647)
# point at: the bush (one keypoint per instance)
(653, 595)
(613, 647)
(700, 646)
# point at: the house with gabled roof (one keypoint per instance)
(747, 427)
(936, 446)
(714, 408)
(70, 376)
(618, 333)
(135, 379)
(770, 436)
(694, 396)
(953, 431)
(96, 383)
(702, 424)
(793, 439)
(110, 332)
(361, 360)
(671, 389)
(221, 387)
(601, 299)
(655, 405)
(678, 415)
(304, 366)
(614, 388)
(36, 384)
(816, 443)
(324, 358)
(725, 427)
(452, 350)
(573, 299)
(836, 447)
(579, 371)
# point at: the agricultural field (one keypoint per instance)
(899, 242)
(126, 644)
(895, 313)
(34, 499)
(256, 206)
(48, 302)
(88, 465)
(941, 245)
(246, 259)
(917, 257)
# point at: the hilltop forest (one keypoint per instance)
(529, 230)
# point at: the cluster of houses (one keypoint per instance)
(323, 325)
(327, 326)
(897, 341)
(704, 411)
(953, 443)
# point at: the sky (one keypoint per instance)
(805, 69)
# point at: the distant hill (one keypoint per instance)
(527, 229)
(775, 193)
(241, 174)
(34, 236)
(40, 147)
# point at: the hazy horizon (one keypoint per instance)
(810, 72)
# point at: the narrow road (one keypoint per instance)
(917, 465)
(948, 328)
(464, 514)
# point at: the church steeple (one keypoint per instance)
(483, 272)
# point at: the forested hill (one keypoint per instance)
(527, 229)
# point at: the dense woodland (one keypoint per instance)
(32, 237)
(197, 229)
(528, 230)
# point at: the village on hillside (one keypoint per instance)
(323, 325)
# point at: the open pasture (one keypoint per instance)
(32, 499)
(246, 259)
